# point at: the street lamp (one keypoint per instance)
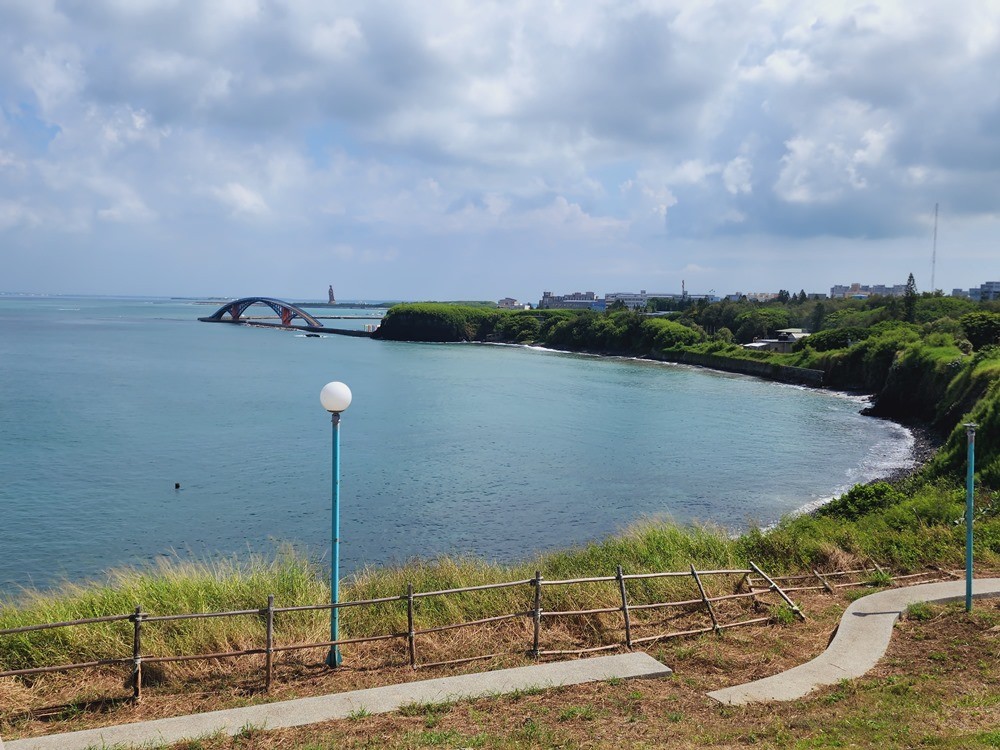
(335, 397)
(970, 508)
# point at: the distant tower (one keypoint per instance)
(934, 251)
(330, 295)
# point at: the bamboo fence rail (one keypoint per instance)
(757, 583)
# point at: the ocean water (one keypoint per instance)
(496, 451)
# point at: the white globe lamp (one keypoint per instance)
(335, 397)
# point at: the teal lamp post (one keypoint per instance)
(970, 509)
(335, 397)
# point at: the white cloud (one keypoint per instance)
(419, 126)
(651, 195)
(843, 145)
(736, 176)
(784, 66)
(691, 171)
(336, 40)
(10, 162)
(125, 211)
(13, 214)
(241, 199)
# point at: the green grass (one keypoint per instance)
(915, 524)
(577, 712)
(920, 611)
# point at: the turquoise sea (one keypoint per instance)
(496, 451)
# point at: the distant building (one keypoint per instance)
(863, 291)
(761, 296)
(766, 296)
(509, 303)
(988, 290)
(638, 300)
(631, 300)
(752, 296)
(574, 301)
(783, 342)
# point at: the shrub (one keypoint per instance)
(861, 500)
(665, 334)
(724, 335)
(833, 338)
(981, 328)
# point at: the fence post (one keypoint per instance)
(537, 583)
(411, 636)
(704, 598)
(826, 586)
(777, 588)
(137, 655)
(269, 647)
(628, 620)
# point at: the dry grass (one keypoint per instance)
(64, 702)
(939, 686)
(36, 700)
(33, 707)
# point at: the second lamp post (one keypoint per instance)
(335, 397)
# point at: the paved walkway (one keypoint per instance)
(861, 640)
(341, 705)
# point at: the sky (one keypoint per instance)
(478, 150)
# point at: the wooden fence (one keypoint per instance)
(750, 584)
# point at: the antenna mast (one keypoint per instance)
(934, 251)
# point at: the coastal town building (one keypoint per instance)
(782, 342)
(638, 300)
(751, 296)
(988, 290)
(574, 301)
(863, 291)
(509, 303)
(631, 300)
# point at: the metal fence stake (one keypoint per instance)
(628, 620)
(269, 646)
(137, 655)
(826, 586)
(704, 598)
(411, 637)
(537, 583)
(775, 587)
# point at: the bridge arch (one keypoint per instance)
(285, 311)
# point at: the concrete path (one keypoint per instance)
(861, 640)
(338, 706)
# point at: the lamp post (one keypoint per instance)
(335, 397)
(970, 509)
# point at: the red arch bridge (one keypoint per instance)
(234, 312)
